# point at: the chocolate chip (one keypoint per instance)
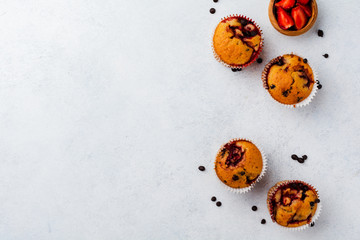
(244, 22)
(234, 69)
(216, 0)
(225, 181)
(305, 188)
(280, 62)
(312, 204)
(259, 60)
(272, 86)
(201, 168)
(319, 86)
(312, 224)
(317, 200)
(213, 199)
(212, 10)
(263, 221)
(254, 208)
(305, 60)
(304, 157)
(326, 55)
(301, 160)
(218, 204)
(253, 33)
(303, 196)
(242, 173)
(294, 156)
(320, 33)
(235, 177)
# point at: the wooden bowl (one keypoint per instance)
(306, 28)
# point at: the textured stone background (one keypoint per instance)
(108, 107)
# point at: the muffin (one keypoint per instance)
(289, 79)
(239, 164)
(237, 41)
(292, 203)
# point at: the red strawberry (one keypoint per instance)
(285, 4)
(306, 9)
(303, 1)
(284, 19)
(299, 16)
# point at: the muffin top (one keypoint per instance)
(238, 163)
(236, 41)
(292, 204)
(290, 79)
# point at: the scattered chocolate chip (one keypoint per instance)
(234, 69)
(301, 160)
(319, 86)
(272, 86)
(300, 185)
(326, 55)
(225, 181)
(212, 10)
(242, 173)
(304, 157)
(213, 199)
(305, 188)
(312, 224)
(216, 0)
(259, 60)
(218, 204)
(320, 33)
(254, 208)
(201, 168)
(294, 156)
(317, 200)
(305, 60)
(263, 221)
(235, 177)
(312, 204)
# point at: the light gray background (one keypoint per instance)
(108, 107)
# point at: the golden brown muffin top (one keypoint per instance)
(238, 164)
(236, 41)
(290, 79)
(292, 204)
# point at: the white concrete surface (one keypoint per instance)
(108, 107)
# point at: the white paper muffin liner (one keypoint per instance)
(263, 171)
(257, 54)
(303, 227)
(303, 103)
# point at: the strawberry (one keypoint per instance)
(306, 9)
(285, 4)
(284, 19)
(299, 16)
(303, 1)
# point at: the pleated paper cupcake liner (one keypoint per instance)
(303, 103)
(263, 171)
(270, 196)
(254, 57)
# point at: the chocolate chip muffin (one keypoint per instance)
(239, 163)
(237, 41)
(289, 79)
(292, 203)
